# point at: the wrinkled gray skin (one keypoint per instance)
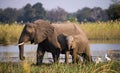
(77, 45)
(46, 36)
(42, 33)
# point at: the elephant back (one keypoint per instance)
(67, 28)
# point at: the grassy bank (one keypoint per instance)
(102, 31)
(107, 67)
(10, 34)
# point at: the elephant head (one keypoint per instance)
(70, 42)
(35, 32)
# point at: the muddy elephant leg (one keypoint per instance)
(74, 56)
(67, 56)
(86, 58)
(55, 58)
(88, 55)
(39, 55)
(55, 55)
(78, 60)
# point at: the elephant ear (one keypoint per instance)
(43, 30)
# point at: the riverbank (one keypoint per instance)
(102, 30)
(25, 67)
(96, 32)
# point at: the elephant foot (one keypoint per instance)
(39, 64)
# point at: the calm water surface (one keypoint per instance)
(11, 52)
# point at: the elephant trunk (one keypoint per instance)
(21, 51)
(23, 38)
(21, 48)
(69, 46)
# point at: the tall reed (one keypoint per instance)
(102, 30)
(26, 67)
(10, 33)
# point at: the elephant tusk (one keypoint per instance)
(21, 44)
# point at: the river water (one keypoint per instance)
(11, 52)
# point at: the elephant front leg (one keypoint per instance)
(67, 56)
(55, 58)
(55, 55)
(74, 56)
(40, 55)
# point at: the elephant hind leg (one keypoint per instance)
(86, 58)
(78, 60)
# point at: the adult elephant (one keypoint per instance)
(45, 35)
(42, 33)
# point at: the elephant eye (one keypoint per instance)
(27, 32)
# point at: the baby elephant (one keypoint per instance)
(77, 45)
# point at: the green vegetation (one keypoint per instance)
(24, 67)
(10, 33)
(101, 31)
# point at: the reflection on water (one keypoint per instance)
(11, 53)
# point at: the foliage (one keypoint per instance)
(102, 30)
(10, 33)
(25, 67)
(115, 1)
(8, 15)
(114, 11)
(56, 15)
(40, 12)
(84, 14)
(91, 15)
(30, 13)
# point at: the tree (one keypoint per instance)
(116, 1)
(97, 14)
(29, 13)
(114, 11)
(71, 17)
(1, 15)
(84, 14)
(9, 15)
(55, 15)
(39, 11)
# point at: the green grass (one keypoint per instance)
(10, 34)
(102, 30)
(98, 31)
(24, 67)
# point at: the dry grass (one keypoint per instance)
(102, 30)
(109, 31)
(10, 33)
(106, 67)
